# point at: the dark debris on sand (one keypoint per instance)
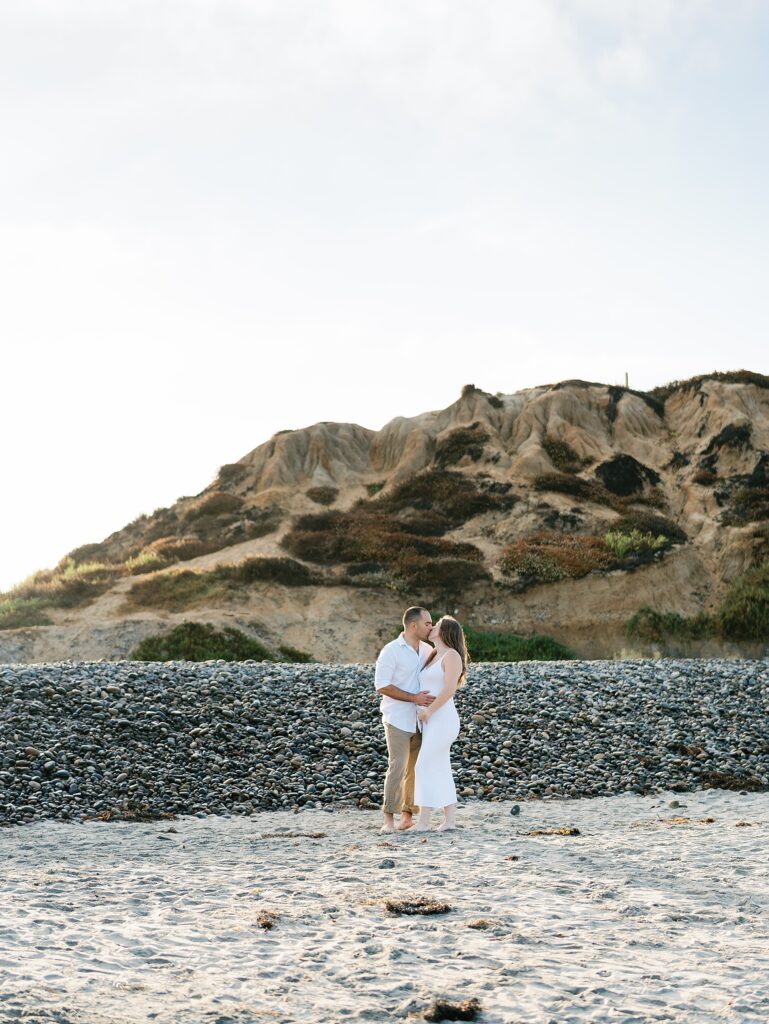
(442, 1009)
(554, 832)
(132, 814)
(266, 919)
(416, 905)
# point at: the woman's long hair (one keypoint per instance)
(453, 636)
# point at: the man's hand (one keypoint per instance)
(424, 698)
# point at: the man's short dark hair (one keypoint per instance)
(412, 614)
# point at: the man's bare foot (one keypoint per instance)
(387, 827)
(406, 822)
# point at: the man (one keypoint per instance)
(397, 681)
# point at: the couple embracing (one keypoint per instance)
(417, 683)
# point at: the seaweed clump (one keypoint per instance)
(442, 1009)
(416, 905)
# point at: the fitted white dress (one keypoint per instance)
(433, 778)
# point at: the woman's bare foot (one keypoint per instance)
(423, 822)
(449, 818)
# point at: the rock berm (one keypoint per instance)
(126, 739)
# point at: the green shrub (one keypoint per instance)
(487, 645)
(232, 472)
(744, 612)
(17, 612)
(648, 522)
(181, 589)
(742, 615)
(294, 655)
(439, 575)
(624, 544)
(462, 442)
(562, 455)
(271, 570)
(377, 579)
(551, 556)
(375, 488)
(651, 625)
(576, 487)
(748, 505)
(323, 495)
(175, 590)
(200, 641)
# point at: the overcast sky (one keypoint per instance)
(223, 218)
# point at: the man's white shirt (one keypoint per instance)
(399, 664)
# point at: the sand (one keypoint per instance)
(651, 913)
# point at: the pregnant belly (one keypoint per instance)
(448, 706)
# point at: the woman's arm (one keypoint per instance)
(452, 670)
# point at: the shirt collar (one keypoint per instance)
(404, 643)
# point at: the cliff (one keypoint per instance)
(561, 509)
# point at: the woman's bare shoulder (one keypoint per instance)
(452, 657)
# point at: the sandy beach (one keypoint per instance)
(656, 911)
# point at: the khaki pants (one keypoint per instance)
(402, 751)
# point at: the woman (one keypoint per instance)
(443, 673)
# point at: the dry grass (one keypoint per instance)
(649, 522)
(378, 543)
(185, 588)
(454, 497)
(576, 487)
(232, 473)
(695, 383)
(20, 612)
(705, 477)
(550, 556)
(464, 442)
(323, 495)
(175, 591)
(69, 585)
(563, 456)
(216, 503)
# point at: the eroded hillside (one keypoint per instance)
(561, 509)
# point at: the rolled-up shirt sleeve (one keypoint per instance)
(385, 668)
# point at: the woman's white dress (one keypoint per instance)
(433, 779)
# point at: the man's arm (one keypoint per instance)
(423, 698)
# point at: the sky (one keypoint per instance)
(224, 218)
